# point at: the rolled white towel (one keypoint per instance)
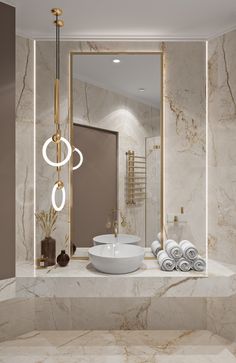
(155, 247)
(199, 264)
(165, 262)
(159, 236)
(183, 265)
(172, 249)
(189, 250)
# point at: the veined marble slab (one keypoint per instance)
(80, 279)
(118, 347)
(7, 289)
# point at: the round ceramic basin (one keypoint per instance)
(116, 258)
(121, 238)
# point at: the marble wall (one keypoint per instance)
(184, 93)
(185, 115)
(45, 175)
(24, 150)
(134, 121)
(221, 316)
(153, 188)
(185, 141)
(222, 151)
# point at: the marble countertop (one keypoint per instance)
(80, 279)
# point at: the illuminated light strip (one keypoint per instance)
(34, 152)
(207, 121)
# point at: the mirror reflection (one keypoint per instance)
(116, 195)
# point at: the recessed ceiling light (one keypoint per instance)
(141, 89)
(116, 60)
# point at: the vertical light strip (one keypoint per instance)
(207, 157)
(34, 156)
(163, 195)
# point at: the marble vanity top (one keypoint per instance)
(80, 279)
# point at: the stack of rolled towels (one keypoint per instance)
(181, 256)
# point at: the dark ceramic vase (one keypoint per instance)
(73, 248)
(63, 259)
(48, 250)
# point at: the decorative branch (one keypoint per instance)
(47, 221)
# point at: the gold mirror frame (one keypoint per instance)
(162, 133)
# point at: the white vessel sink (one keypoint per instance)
(121, 238)
(116, 258)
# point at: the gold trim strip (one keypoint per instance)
(56, 101)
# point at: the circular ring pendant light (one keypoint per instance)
(61, 163)
(57, 138)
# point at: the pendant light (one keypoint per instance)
(57, 138)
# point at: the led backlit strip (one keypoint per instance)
(57, 138)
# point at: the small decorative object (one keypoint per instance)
(63, 259)
(73, 249)
(43, 262)
(47, 221)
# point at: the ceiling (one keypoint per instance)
(150, 19)
(126, 78)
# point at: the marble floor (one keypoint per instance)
(118, 347)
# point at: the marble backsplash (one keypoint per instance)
(222, 151)
(185, 137)
(184, 93)
(184, 120)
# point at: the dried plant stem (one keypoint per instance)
(47, 221)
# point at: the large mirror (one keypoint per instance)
(116, 121)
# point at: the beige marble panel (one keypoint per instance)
(153, 197)
(123, 313)
(80, 279)
(17, 316)
(221, 316)
(222, 152)
(85, 346)
(7, 289)
(24, 150)
(185, 129)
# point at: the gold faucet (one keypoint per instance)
(115, 226)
